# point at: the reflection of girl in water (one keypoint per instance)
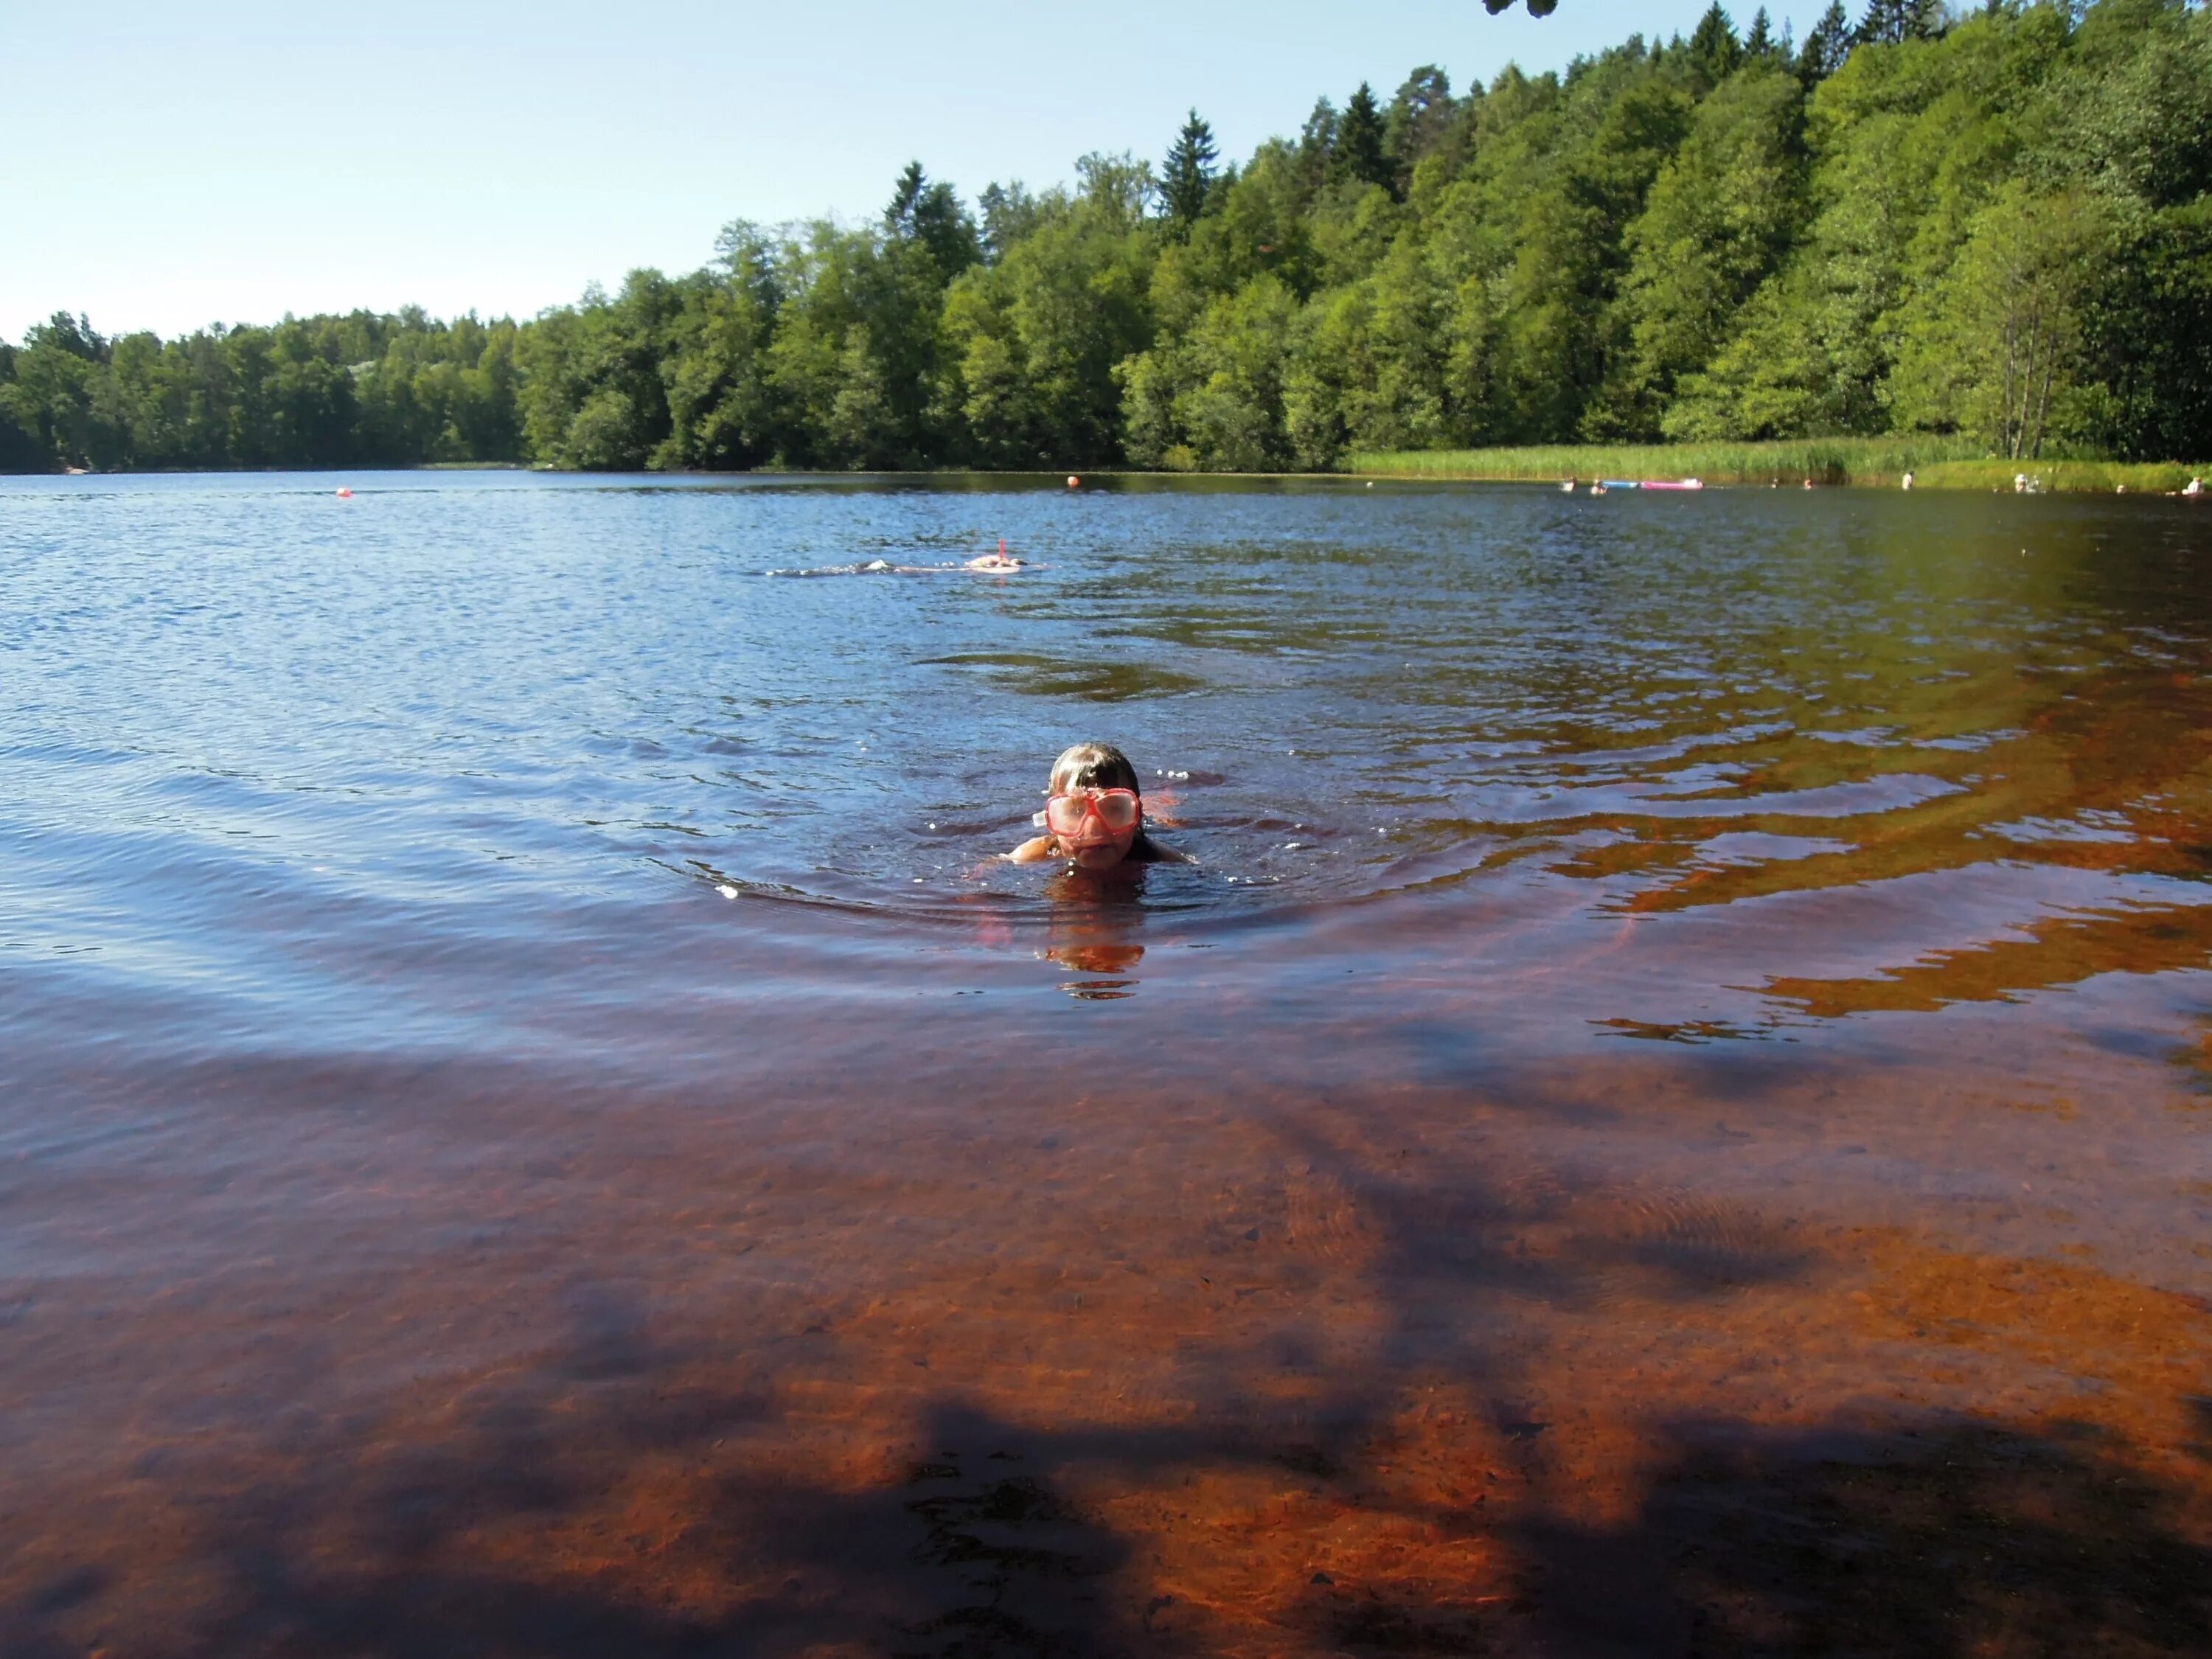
(1094, 815)
(1094, 918)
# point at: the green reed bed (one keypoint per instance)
(1936, 463)
(2136, 477)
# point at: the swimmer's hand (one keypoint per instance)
(1036, 850)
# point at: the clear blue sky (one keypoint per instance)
(170, 164)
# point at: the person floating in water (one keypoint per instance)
(1000, 560)
(1094, 814)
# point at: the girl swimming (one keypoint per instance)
(1094, 814)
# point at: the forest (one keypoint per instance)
(1995, 223)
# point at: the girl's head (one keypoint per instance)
(1092, 766)
(1096, 811)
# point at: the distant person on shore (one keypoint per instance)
(2194, 487)
(1094, 814)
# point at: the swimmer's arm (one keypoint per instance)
(1036, 850)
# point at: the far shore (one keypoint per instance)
(1935, 463)
(1830, 463)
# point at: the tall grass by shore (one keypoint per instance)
(1936, 463)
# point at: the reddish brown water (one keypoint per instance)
(1727, 1168)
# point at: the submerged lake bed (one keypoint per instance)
(1672, 1111)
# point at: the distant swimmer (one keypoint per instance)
(1000, 560)
(1000, 563)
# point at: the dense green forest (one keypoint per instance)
(1997, 224)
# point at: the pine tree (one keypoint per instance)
(1760, 42)
(1420, 116)
(1891, 22)
(1883, 24)
(1358, 152)
(1826, 44)
(898, 217)
(1317, 145)
(1188, 174)
(1714, 49)
(929, 213)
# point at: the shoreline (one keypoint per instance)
(1785, 465)
(1829, 462)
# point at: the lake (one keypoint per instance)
(1668, 1114)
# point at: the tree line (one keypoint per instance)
(1997, 224)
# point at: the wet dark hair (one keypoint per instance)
(1093, 766)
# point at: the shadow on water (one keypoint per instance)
(648, 1487)
(1947, 1540)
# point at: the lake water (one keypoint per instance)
(1670, 1112)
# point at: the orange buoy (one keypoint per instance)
(1074, 482)
(345, 495)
